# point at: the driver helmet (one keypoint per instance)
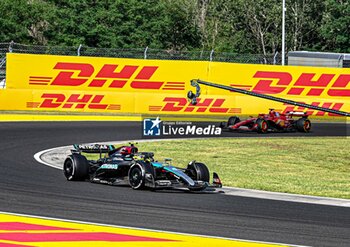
(273, 113)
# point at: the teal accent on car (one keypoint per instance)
(174, 170)
(179, 173)
(157, 164)
(109, 166)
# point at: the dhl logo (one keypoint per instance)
(110, 75)
(328, 105)
(74, 101)
(178, 104)
(310, 84)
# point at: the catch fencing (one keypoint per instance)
(135, 53)
(141, 53)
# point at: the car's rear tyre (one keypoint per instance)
(303, 125)
(262, 126)
(137, 176)
(233, 120)
(76, 167)
(199, 171)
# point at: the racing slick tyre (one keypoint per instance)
(76, 167)
(303, 125)
(137, 176)
(198, 171)
(262, 126)
(233, 120)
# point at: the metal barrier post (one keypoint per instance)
(274, 58)
(10, 46)
(211, 55)
(79, 49)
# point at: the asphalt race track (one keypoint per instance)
(31, 188)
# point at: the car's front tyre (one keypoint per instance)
(233, 120)
(198, 171)
(137, 176)
(76, 167)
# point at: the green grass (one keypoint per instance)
(310, 166)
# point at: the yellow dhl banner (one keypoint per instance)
(100, 74)
(89, 84)
(143, 103)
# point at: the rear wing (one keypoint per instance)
(92, 148)
(297, 113)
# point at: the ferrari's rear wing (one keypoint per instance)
(92, 148)
(297, 113)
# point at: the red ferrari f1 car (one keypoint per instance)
(272, 122)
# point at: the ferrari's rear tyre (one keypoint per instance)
(76, 167)
(262, 126)
(137, 176)
(303, 125)
(199, 171)
(233, 120)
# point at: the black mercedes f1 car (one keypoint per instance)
(125, 165)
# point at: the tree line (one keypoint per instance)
(239, 26)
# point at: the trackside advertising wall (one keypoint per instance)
(112, 85)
